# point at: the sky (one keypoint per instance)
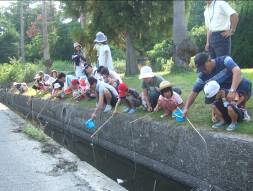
(5, 3)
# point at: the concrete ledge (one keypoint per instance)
(226, 161)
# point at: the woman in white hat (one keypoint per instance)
(104, 51)
(150, 85)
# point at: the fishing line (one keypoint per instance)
(101, 126)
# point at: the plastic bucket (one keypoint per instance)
(90, 124)
(178, 115)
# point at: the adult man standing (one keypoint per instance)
(221, 21)
(223, 70)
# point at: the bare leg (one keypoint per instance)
(108, 97)
(218, 114)
(232, 114)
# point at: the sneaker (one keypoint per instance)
(246, 116)
(232, 127)
(107, 108)
(126, 110)
(218, 125)
(132, 111)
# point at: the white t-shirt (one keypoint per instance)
(217, 16)
(102, 86)
(101, 58)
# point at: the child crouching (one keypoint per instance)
(129, 97)
(168, 100)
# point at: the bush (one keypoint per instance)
(119, 66)
(160, 55)
(198, 36)
(16, 71)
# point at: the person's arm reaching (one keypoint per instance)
(99, 106)
(235, 82)
(145, 97)
(189, 102)
(116, 107)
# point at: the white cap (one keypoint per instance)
(57, 85)
(146, 72)
(211, 89)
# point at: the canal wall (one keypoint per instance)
(225, 163)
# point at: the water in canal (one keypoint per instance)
(133, 177)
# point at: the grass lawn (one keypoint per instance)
(200, 114)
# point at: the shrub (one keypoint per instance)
(198, 36)
(119, 66)
(16, 71)
(160, 55)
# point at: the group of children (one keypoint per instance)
(105, 85)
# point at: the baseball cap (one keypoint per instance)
(211, 88)
(200, 60)
(122, 89)
(74, 82)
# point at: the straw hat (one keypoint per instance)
(100, 37)
(146, 72)
(165, 84)
(76, 44)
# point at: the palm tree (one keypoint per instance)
(22, 36)
(179, 29)
(46, 54)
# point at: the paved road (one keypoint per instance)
(24, 168)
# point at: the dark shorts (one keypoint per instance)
(153, 98)
(219, 45)
(219, 105)
(114, 99)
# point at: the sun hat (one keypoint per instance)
(165, 84)
(100, 37)
(76, 44)
(122, 89)
(200, 60)
(211, 88)
(146, 72)
(57, 85)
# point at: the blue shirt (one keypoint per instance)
(222, 73)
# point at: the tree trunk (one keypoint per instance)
(22, 34)
(82, 17)
(179, 29)
(131, 62)
(46, 54)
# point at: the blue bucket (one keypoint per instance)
(178, 114)
(90, 124)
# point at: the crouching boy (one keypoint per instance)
(169, 100)
(224, 111)
(129, 97)
(106, 95)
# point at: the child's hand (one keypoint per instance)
(156, 109)
(93, 116)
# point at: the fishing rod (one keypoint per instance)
(101, 126)
(191, 124)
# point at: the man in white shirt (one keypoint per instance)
(221, 21)
(104, 56)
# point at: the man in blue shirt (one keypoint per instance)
(223, 70)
